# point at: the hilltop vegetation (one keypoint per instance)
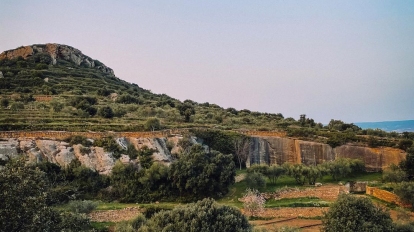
(40, 92)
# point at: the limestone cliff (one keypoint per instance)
(277, 150)
(56, 51)
(263, 150)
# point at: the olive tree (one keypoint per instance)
(198, 174)
(203, 216)
(350, 213)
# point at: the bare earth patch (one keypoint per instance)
(115, 215)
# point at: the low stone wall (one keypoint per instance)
(386, 196)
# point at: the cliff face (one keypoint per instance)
(262, 150)
(275, 150)
(56, 51)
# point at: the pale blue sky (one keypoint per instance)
(348, 60)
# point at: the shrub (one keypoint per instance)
(82, 206)
(255, 180)
(350, 213)
(253, 202)
(106, 112)
(203, 216)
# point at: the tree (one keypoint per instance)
(241, 149)
(405, 190)
(56, 106)
(4, 102)
(17, 106)
(312, 173)
(297, 171)
(200, 174)
(338, 168)
(350, 213)
(394, 174)
(255, 180)
(408, 164)
(203, 216)
(106, 112)
(186, 110)
(23, 207)
(253, 202)
(152, 124)
(275, 171)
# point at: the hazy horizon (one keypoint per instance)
(346, 60)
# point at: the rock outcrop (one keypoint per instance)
(262, 150)
(57, 51)
(96, 158)
(276, 150)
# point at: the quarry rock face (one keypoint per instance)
(262, 150)
(276, 150)
(56, 51)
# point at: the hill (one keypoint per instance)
(62, 89)
(57, 87)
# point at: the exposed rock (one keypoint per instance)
(122, 142)
(9, 148)
(57, 51)
(1, 74)
(97, 159)
(56, 151)
(275, 150)
(161, 154)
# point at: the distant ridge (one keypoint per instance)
(397, 126)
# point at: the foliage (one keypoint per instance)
(344, 167)
(80, 206)
(78, 139)
(186, 110)
(24, 191)
(350, 213)
(110, 145)
(4, 103)
(152, 124)
(17, 106)
(203, 216)
(253, 202)
(394, 174)
(255, 180)
(405, 190)
(275, 171)
(106, 112)
(408, 164)
(297, 171)
(145, 156)
(199, 174)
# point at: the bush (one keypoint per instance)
(350, 213)
(82, 206)
(255, 180)
(203, 216)
(106, 112)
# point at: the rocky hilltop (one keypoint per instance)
(56, 52)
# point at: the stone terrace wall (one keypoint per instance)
(386, 196)
(92, 135)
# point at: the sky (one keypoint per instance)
(349, 60)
